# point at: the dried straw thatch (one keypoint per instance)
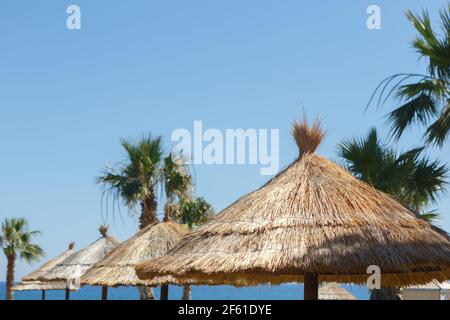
(117, 269)
(313, 217)
(333, 291)
(76, 264)
(38, 285)
(34, 276)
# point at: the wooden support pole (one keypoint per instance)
(164, 292)
(43, 294)
(311, 289)
(104, 293)
(67, 294)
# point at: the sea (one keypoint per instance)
(263, 292)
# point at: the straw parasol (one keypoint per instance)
(117, 269)
(333, 291)
(313, 222)
(31, 282)
(75, 265)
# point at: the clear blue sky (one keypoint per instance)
(66, 97)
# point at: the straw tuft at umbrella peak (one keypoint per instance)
(103, 230)
(71, 245)
(308, 138)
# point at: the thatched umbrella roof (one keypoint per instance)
(312, 218)
(117, 269)
(76, 264)
(34, 276)
(39, 285)
(333, 291)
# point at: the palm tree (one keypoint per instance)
(193, 212)
(413, 179)
(15, 240)
(425, 101)
(137, 179)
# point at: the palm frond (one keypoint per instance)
(423, 98)
(177, 178)
(417, 110)
(429, 216)
(194, 211)
(439, 130)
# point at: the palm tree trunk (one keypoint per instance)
(187, 293)
(10, 276)
(146, 293)
(148, 211)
